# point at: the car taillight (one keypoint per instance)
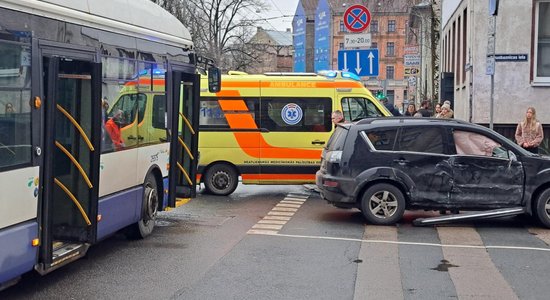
(330, 183)
(334, 157)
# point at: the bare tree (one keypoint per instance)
(220, 28)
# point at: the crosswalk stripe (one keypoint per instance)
(296, 199)
(276, 218)
(276, 222)
(292, 202)
(371, 281)
(473, 267)
(288, 205)
(280, 213)
(267, 226)
(276, 208)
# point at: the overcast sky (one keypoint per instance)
(276, 12)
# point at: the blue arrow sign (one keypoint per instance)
(360, 62)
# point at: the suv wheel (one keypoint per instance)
(542, 208)
(383, 204)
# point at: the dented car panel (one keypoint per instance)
(434, 164)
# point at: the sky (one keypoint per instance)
(276, 12)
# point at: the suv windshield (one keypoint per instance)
(337, 139)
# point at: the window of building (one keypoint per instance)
(341, 46)
(390, 49)
(374, 45)
(542, 47)
(391, 25)
(374, 26)
(390, 70)
(342, 28)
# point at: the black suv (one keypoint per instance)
(386, 165)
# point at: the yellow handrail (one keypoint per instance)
(77, 165)
(185, 173)
(75, 123)
(187, 122)
(75, 201)
(186, 149)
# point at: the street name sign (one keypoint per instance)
(359, 40)
(360, 62)
(510, 57)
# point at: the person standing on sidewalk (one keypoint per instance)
(529, 132)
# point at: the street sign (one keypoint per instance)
(510, 57)
(490, 67)
(411, 60)
(413, 71)
(360, 62)
(357, 18)
(358, 40)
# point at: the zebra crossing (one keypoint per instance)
(461, 261)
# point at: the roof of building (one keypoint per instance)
(281, 38)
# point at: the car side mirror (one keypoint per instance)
(512, 156)
(214, 79)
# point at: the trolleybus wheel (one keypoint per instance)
(149, 210)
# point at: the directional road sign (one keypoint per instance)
(360, 62)
(357, 18)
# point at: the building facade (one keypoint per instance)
(390, 34)
(519, 37)
(275, 51)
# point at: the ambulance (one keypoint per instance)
(271, 128)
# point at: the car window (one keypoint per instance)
(337, 139)
(358, 108)
(422, 139)
(382, 139)
(473, 143)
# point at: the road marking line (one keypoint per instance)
(370, 283)
(474, 267)
(414, 243)
(275, 222)
(288, 205)
(295, 199)
(262, 232)
(266, 226)
(276, 218)
(292, 202)
(280, 213)
(284, 209)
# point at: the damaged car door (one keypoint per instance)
(484, 175)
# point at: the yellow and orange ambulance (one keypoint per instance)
(271, 128)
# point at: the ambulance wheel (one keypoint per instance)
(221, 180)
(383, 204)
(149, 210)
(542, 208)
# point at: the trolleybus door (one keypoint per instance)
(183, 91)
(72, 89)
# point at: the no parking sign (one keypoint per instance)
(357, 18)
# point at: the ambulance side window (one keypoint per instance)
(213, 111)
(296, 114)
(355, 108)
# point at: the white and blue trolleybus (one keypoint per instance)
(73, 168)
